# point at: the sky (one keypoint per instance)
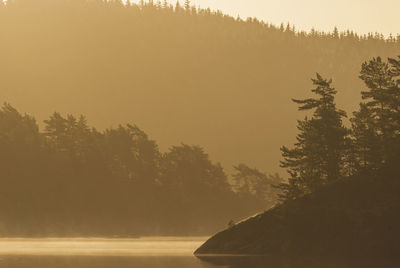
(362, 16)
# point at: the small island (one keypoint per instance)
(342, 199)
(353, 218)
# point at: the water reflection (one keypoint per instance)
(103, 262)
(146, 253)
(174, 262)
(275, 262)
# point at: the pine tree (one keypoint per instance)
(365, 141)
(288, 29)
(282, 27)
(318, 156)
(178, 7)
(395, 70)
(382, 99)
(194, 10)
(187, 5)
(336, 33)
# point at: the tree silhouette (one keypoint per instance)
(318, 155)
(376, 124)
(145, 54)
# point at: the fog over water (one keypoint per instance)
(163, 252)
(151, 246)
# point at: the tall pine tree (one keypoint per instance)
(376, 126)
(318, 156)
(187, 6)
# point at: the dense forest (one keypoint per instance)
(72, 180)
(342, 199)
(327, 151)
(182, 73)
(185, 75)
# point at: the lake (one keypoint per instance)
(150, 252)
(163, 252)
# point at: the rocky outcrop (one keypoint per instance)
(354, 217)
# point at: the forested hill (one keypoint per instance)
(181, 73)
(341, 200)
(73, 180)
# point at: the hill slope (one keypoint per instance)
(196, 76)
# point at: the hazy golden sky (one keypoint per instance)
(359, 15)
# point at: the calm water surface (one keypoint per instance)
(101, 253)
(135, 253)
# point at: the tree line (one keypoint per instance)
(171, 68)
(327, 150)
(70, 180)
(183, 72)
